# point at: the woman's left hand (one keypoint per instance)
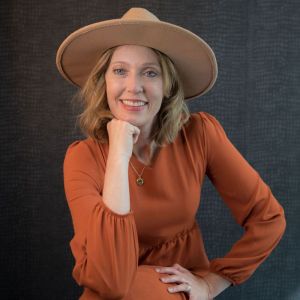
(194, 286)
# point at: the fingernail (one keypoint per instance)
(157, 270)
(170, 289)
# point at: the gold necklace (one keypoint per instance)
(139, 180)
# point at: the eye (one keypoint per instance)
(151, 73)
(119, 71)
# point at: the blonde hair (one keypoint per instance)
(172, 115)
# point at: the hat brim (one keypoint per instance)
(191, 55)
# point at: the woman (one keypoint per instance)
(133, 185)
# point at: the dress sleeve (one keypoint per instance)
(105, 243)
(249, 199)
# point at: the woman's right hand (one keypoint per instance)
(122, 136)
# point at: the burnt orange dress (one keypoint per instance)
(115, 254)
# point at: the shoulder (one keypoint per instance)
(83, 162)
(79, 147)
(202, 117)
(202, 121)
(84, 152)
(203, 130)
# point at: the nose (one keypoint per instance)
(134, 84)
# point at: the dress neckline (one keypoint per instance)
(137, 163)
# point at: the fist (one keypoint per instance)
(122, 136)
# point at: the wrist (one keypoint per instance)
(216, 284)
(117, 158)
(209, 288)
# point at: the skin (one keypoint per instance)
(134, 73)
(201, 289)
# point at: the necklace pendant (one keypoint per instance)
(140, 181)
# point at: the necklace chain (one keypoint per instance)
(139, 180)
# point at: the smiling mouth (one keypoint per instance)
(134, 102)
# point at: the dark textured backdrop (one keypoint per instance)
(256, 99)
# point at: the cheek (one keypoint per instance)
(156, 91)
(109, 89)
(158, 94)
(112, 87)
(109, 96)
(112, 96)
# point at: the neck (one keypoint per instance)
(144, 149)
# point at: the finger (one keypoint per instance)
(108, 124)
(136, 133)
(168, 270)
(179, 267)
(180, 288)
(174, 278)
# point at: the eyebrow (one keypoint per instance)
(144, 65)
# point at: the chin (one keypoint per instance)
(135, 123)
(131, 120)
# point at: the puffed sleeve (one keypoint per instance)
(105, 243)
(249, 199)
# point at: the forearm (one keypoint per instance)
(216, 284)
(116, 187)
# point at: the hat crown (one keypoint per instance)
(138, 13)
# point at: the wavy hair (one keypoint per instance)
(172, 115)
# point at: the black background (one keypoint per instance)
(256, 99)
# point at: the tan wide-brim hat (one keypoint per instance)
(193, 58)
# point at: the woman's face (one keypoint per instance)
(134, 85)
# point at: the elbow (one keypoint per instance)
(107, 287)
(114, 294)
(280, 227)
(115, 290)
(278, 216)
(279, 224)
(282, 222)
